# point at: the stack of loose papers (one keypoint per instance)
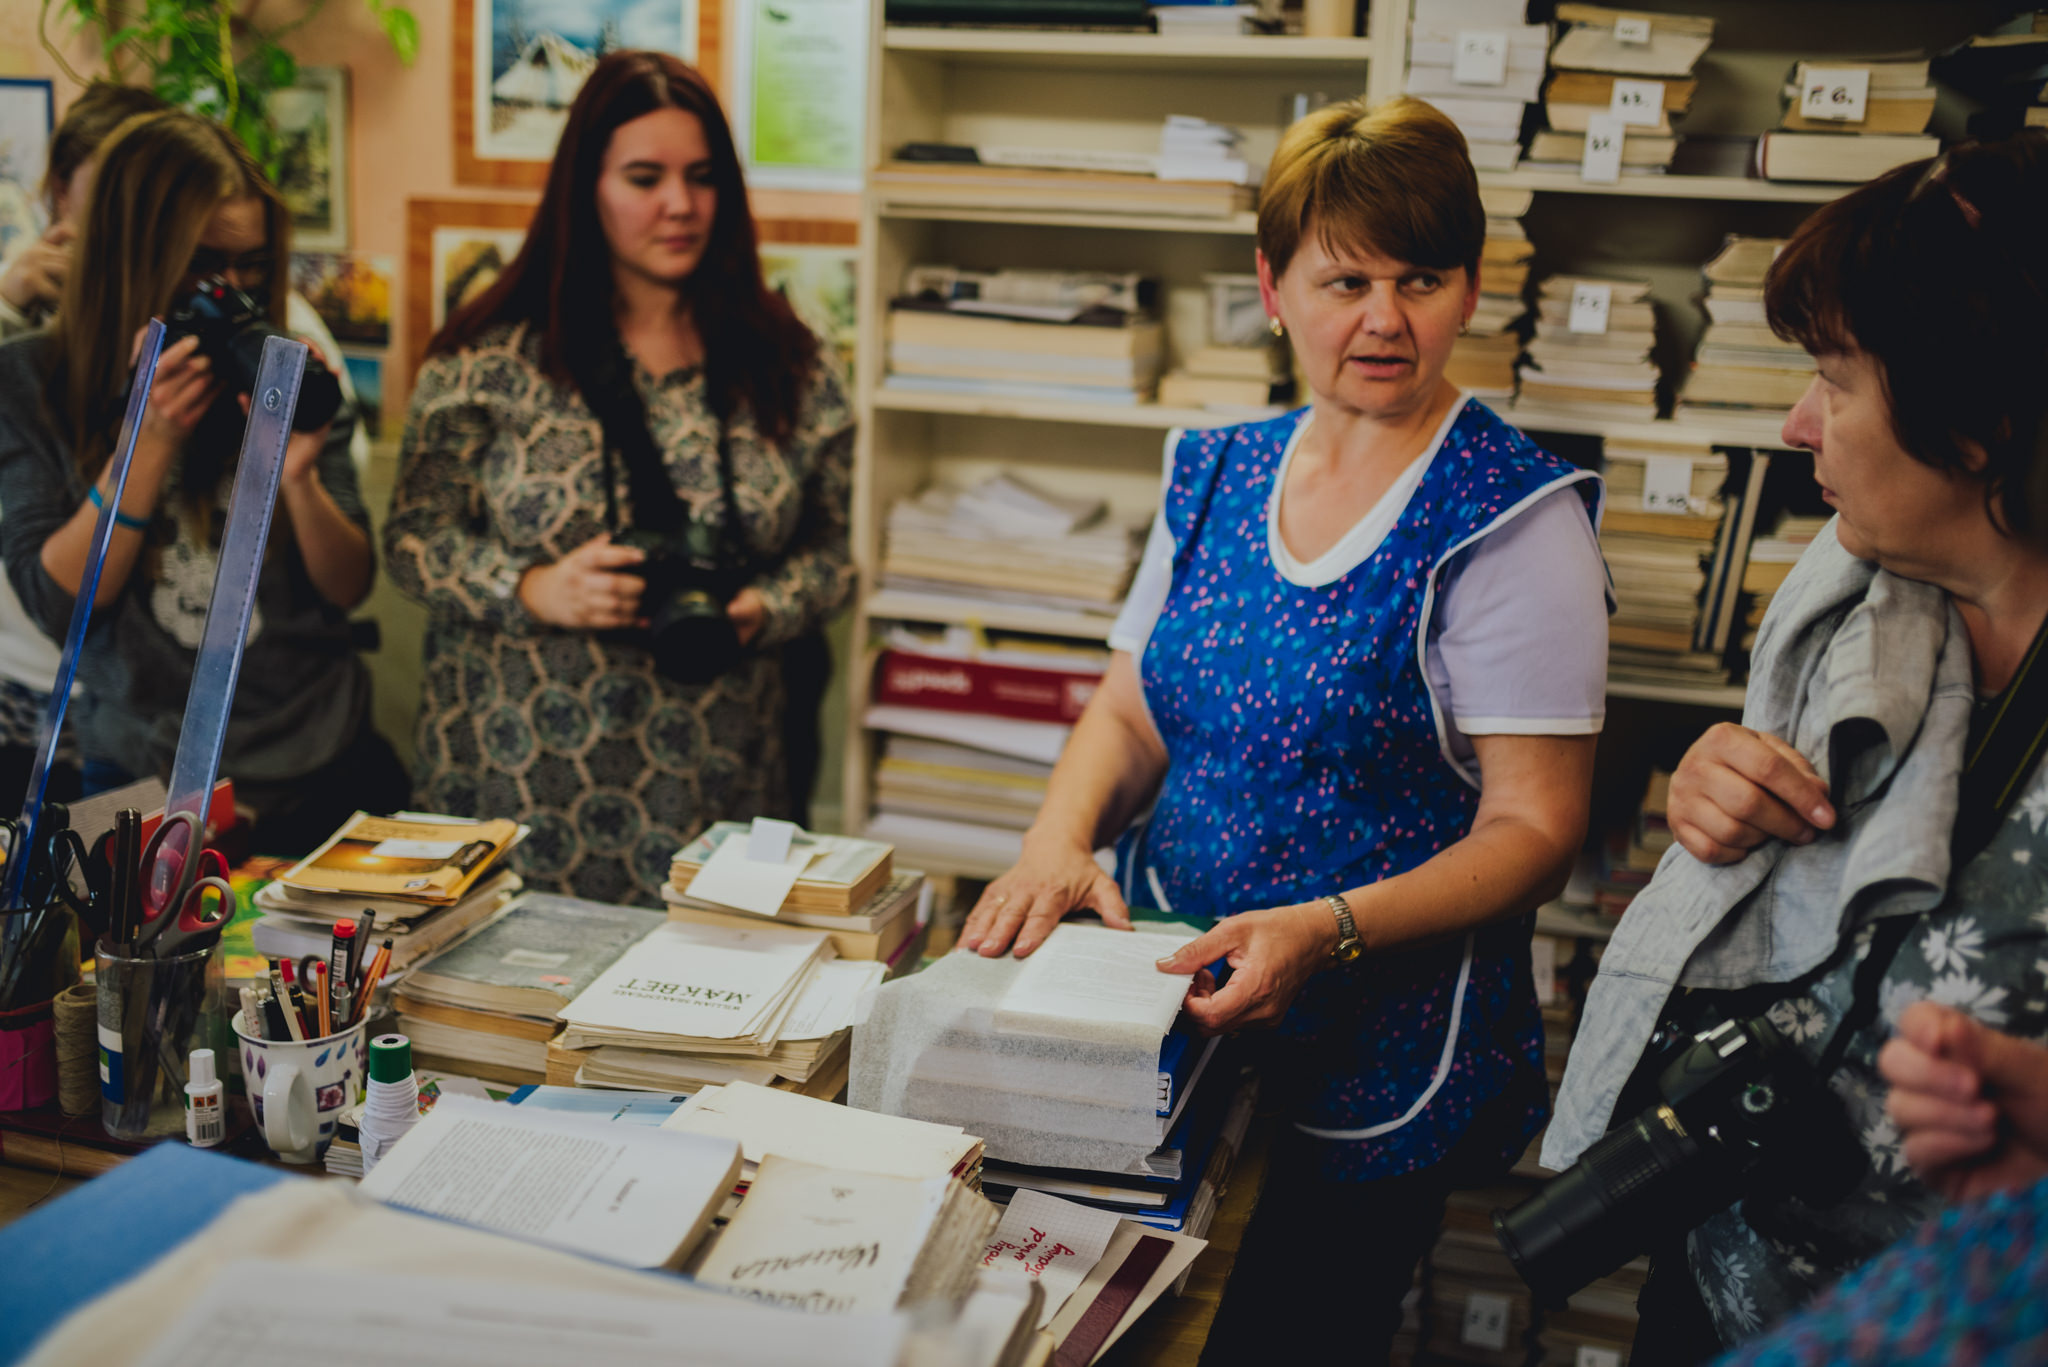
(824, 1239)
(690, 997)
(774, 866)
(1196, 149)
(764, 1121)
(1003, 539)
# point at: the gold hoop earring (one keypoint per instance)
(1464, 329)
(1276, 327)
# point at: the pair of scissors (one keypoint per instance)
(67, 855)
(179, 924)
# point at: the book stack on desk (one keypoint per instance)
(422, 880)
(1483, 358)
(1742, 367)
(1601, 49)
(1486, 101)
(487, 1005)
(1664, 514)
(1592, 363)
(1006, 539)
(1886, 127)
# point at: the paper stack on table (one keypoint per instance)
(848, 888)
(764, 1121)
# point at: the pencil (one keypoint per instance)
(320, 992)
(370, 978)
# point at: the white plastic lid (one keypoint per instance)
(202, 1068)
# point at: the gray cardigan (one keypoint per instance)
(303, 692)
(1870, 677)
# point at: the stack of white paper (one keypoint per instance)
(763, 1120)
(703, 989)
(1196, 149)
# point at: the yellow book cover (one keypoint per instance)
(436, 860)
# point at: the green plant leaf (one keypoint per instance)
(402, 27)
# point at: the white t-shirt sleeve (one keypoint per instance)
(1519, 643)
(1149, 586)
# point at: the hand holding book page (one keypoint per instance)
(1057, 1242)
(1092, 975)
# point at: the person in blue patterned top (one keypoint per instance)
(1351, 710)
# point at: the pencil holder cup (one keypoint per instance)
(152, 1014)
(28, 1057)
(299, 1088)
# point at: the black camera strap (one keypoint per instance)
(608, 389)
(2007, 736)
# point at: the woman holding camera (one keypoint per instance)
(1358, 680)
(179, 210)
(1876, 832)
(624, 478)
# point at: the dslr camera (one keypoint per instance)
(1737, 1112)
(231, 328)
(689, 582)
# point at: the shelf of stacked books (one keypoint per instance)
(1012, 47)
(1655, 186)
(894, 205)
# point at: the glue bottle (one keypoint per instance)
(393, 1104)
(205, 1119)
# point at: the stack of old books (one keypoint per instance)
(1658, 533)
(1483, 358)
(1592, 362)
(1007, 540)
(487, 1005)
(1742, 367)
(1081, 180)
(851, 890)
(1771, 559)
(1479, 62)
(1632, 67)
(1849, 119)
(1238, 382)
(418, 879)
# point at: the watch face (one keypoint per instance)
(1349, 950)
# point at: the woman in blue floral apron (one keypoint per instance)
(1358, 681)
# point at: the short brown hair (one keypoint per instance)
(1934, 271)
(1394, 178)
(99, 109)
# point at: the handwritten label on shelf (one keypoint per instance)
(1667, 484)
(1602, 161)
(1838, 93)
(1589, 307)
(1596, 1357)
(1486, 1321)
(1633, 31)
(1481, 57)
(1638, 103)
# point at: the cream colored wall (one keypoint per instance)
(402, 146)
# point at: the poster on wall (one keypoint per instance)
(352, 294)
(818, 282)
(28, 112)
(466, 262)
(521, 63)
(366, 374)
(312, 156)
(799, 100)
(454, 249)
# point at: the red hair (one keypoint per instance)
(757, 354)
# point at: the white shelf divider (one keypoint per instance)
(1667, 187)
(1013, 47)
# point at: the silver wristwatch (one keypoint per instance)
(1349, 946)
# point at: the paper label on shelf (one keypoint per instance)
(1602, 161)
(1633, 31)
(1481, 57)
(1638, 103)
(1589, 307)
(1543, 968)
(1596, 1357)
(1486, 1321)
(1835, 92)
(1667, 484)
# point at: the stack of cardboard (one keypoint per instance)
(1849, 119)
(1651, 58)
(1742, 366)
(1483, 91)
(1601, 367)
(1483, 358)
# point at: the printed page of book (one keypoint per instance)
(270, 1312)
(823, 1239)
(764, 1120)
(701, 981)
(1097, 975)
(623, 1193)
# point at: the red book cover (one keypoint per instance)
(997, 690)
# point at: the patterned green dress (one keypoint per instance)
(574, 732)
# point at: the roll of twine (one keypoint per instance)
(76, 1014)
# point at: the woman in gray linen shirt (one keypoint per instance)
(177, 200)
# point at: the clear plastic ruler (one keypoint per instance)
(271, 405)
(81, 616)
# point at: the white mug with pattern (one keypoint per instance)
(299, 1088)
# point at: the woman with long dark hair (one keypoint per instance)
(624, 481)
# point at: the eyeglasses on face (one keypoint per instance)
(250, 268)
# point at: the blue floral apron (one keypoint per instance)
(1308, 755)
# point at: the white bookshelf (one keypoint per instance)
(1739, 188)
(1041, 47)
(892, 204)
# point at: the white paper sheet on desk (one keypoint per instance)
(1057, 1242)
(269, 1312)
(766, 1121)
(831, 999)
(709, 982)
(1100, 976)
(730, 877)
(1177, 1260)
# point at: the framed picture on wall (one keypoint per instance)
(799, 98)
(312, 156)
(454, 249)
(519, 64)
(28, 113)
(811, 262)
